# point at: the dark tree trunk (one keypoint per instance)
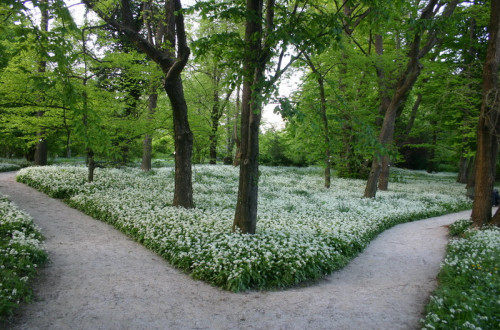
(489, 124)
(236, 131)
(41, 144)
(215, 116)
(413, 115)
(385, 101)
(431, 164)
(383, 182)
(257, 56)
(326, 131)
(463, 168)
(147, 143)
(183, 137)
(471, 180)
(90, 165)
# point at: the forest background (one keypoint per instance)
(381, 83)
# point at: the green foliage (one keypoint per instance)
(21, 253)
(469, 284)
(459, 227)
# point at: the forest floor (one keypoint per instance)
(97, 278)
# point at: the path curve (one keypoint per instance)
(100, 279)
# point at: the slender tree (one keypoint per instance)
(41, 145)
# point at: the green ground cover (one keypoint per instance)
(304, 230)
(21, 252)
(468, 296)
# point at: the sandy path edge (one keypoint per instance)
(100, 279)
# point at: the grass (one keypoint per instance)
(21, 252)
(304, 231)
(468, 295)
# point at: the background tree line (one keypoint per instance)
(383, 83)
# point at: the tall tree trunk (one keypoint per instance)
(215, 117)
(41, 144)
(413, 115)
(326, 131)
(183, 137)
(90, 165)
(488, 128)
(147, 143)
(257, 56)
(463, 169)
(236, 131)
(431, 164)
(471, 180)
(324, 118)
(384, 100)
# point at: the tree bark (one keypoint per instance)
(147, 143)
(326, 131)
(41, 144)
(257, 56)
(215, 116)
(236, 131)
(90, 165)
(489, 124)
(183, 140)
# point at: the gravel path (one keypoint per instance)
(100, 279)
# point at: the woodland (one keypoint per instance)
(377, 84)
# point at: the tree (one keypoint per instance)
(488, 129)
(417, 50)
(128, 18)
(41, 145)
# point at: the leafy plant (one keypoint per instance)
(469, 284)
(21, 252)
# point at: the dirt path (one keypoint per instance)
(100, 279)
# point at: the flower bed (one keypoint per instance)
(21, 251)
(468, 296)
(304, 231)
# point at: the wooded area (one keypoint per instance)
(383, 83)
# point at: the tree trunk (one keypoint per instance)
(431, 164)
(413, 115)
(463, 169)
(489, 124)
(245, 218)
(385, 101)
(324, 119)
(183, 137)
(236, 132)
(90, 165)
(383, 182)
(471, 180)
(147, 144)
(215, 116)
(41, 144)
